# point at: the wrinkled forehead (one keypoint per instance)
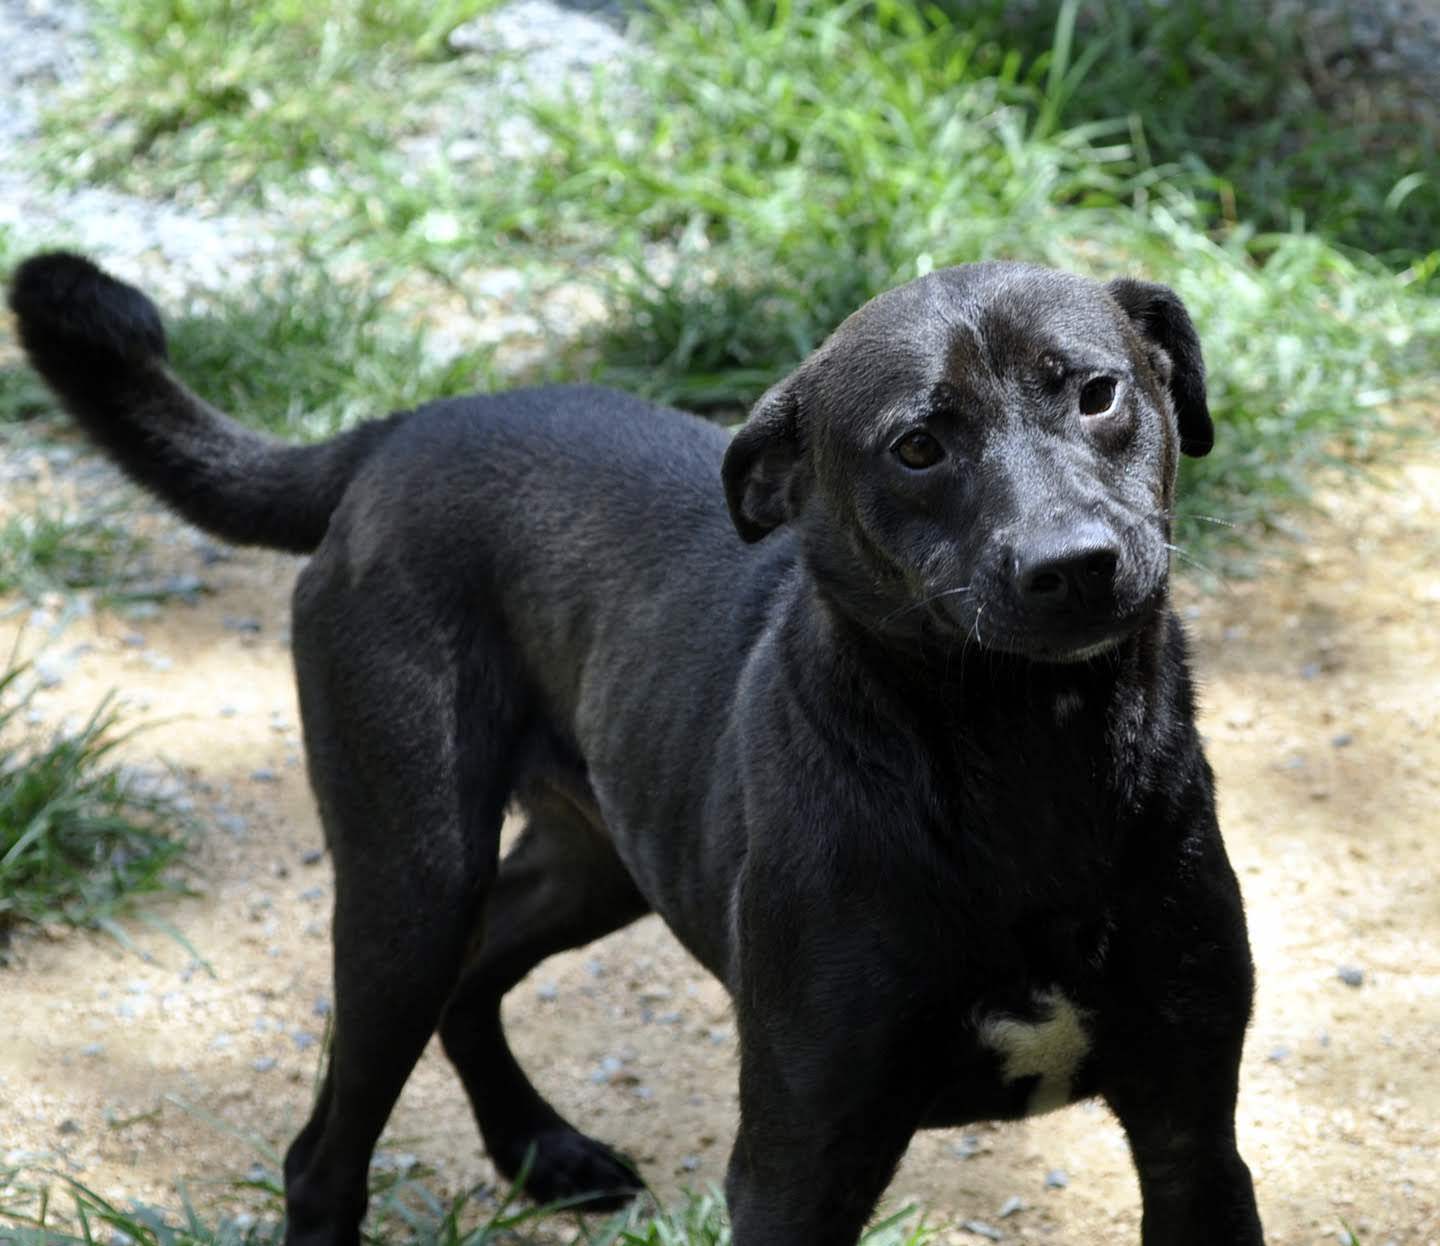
(982, 320)
(1007, 321)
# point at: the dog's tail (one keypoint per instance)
(100, 346)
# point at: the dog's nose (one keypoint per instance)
(1075, 575)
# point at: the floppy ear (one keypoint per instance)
(761, 462)
(1162, 320)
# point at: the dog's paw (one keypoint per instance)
(565, 1165)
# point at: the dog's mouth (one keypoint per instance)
(1077, 639)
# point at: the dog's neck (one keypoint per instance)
(933, 691)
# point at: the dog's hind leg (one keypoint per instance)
(562, 886)
(410, 751)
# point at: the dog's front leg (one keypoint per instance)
(816, 1147)
(1179, 964)
(830, 1084)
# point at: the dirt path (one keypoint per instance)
(1322, 704)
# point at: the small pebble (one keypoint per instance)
(311, 894)
(49, 672)
(968, 1146)
(211, 554)
(609, 1067)
(264, 1064)
(321, 1006)
(1278, 1053)
(1056, 1179)
(93, 1049)
(69, 1126)
(1344, 740)
(313, 857)
(981, 1229)
(1350, 975)
(264, 776)
(182, 585)
(1012, 1206)
(547, 993)
(302, 1040)
(232, 823)
(228, 711)
(238, 623)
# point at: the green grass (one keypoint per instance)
(303, 354)
(80, 839)
(235, 96)
(1246, 106)
(403, 1213)
(47, 549)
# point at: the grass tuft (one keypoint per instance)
(302, 355)
(80, 837)
(236, 96)
(48, 550)
(404, 1213)
(1259, 113)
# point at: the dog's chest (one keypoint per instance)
(1026, 791)
(1020, 1053)
(1041, 1052)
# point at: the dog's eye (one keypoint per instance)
(1097, 396)
(918, 450)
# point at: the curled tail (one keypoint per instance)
(100, 346)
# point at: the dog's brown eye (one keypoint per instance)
(918, 450)
(1097, 396)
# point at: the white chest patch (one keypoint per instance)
(1050, 1049)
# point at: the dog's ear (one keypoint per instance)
(1160, 316)
(761, 462)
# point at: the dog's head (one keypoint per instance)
(988, 452)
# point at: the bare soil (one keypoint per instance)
(1322, 713)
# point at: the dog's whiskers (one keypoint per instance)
(1224, 523)
(1192, 560)
(917, 605)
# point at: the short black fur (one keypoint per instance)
(900, 744)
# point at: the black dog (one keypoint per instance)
(909, 763)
